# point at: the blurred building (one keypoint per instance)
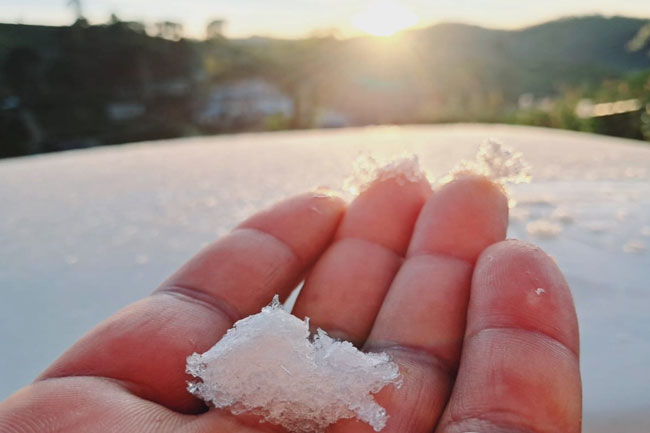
(215, 29)
(169, 30)
(243, 103)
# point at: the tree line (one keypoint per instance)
(87, 85)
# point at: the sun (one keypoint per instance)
(384, 18)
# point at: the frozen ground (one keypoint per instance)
(85, 233)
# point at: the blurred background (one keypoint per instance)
(239, 104)
(86, 73)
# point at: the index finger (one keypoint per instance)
(146, 344)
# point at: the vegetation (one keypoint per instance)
(66, 87)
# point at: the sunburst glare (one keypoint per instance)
(384, 18)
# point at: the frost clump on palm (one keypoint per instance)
(496, 161)
(268, 365)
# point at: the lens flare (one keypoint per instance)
(384, 18)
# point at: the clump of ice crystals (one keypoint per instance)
(368, 169)
(496, 161)
(268, 365)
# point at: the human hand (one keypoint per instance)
(425, 277)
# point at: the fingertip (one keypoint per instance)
(512, 246)
(502, 252)
(462, 218)
(306, 222)
(517, 284)
(386, 210)
(481, 190)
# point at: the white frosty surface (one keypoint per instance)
(84, 233)
(543, 229)
(268, 365)
(635, 246)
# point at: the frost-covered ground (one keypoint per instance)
(85, 233)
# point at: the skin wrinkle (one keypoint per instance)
(214, 303)
(481, 424)
(426, 356)
(265, 233)
(273, 272)
(540, 334)
(446, 256)
(372, 244)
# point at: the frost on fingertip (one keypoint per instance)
(268, 365)
(496, 161)
(368, 169)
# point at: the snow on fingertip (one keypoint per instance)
(368, 169)
(496, 161)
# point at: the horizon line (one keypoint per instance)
(333, 31)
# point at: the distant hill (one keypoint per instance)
(466, 67)
(64, 87)
(538, 58)
(574, 49)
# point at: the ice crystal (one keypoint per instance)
(496, 161)
(268, 365)
(368, 169)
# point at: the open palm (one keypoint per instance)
(484, 330)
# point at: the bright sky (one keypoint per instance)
(295, 18)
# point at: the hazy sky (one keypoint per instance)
(291, 18)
